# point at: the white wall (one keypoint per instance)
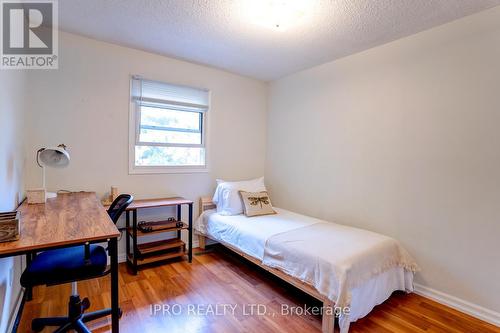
(85, 104)
(12, 90)
(403, 139)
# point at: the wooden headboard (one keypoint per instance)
(206, 204)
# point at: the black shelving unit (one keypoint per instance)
(146, 253)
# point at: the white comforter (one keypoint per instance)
(333, 258)
(249, 234)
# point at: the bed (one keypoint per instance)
(317, 257)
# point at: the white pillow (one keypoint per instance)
(215, 198)
(227, 197)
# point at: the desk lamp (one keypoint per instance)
(54, 157)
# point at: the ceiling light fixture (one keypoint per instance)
(277, 14)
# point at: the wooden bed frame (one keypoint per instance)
(328, 317)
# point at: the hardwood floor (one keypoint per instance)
(220, 277)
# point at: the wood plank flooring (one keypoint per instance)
(220, 277)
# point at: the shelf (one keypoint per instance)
(159, 257)
(162, 202)
(142, 233)
(159, 246)
(141, 250)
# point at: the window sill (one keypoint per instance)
(166, 170)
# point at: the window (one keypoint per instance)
(167, 127)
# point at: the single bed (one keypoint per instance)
(281, 244)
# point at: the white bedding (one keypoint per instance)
(249, 234)
(284, 240)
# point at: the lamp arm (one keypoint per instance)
(40, 165)
(43, 177)
(37, 156)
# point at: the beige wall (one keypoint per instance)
(403, 139)
(12, 90)
(85, 104)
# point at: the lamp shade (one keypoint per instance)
(55, 157)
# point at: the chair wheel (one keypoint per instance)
(36, 326)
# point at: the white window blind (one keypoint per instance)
(165, 94)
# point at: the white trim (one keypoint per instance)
(15, 311)
(122, 257)
(138, 170)
(469, 308)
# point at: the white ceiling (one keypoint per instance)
(222, 33)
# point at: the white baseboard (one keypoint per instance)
(472, 309)
(13, 315)
(122, 257)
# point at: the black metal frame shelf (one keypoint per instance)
(157, 251)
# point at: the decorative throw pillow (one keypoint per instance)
(256, 203)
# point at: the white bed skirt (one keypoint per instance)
(377, 290)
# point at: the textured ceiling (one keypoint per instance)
(223, 34)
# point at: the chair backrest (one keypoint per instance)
(119, 205)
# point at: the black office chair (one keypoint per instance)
(72, 264)
(119, 205)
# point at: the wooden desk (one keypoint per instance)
(68, 220)
(147, 253)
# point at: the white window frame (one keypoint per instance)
(134, 140)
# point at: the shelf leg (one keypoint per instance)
(179, 217)
(127, 235)
(190, 241)
(134, 240)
